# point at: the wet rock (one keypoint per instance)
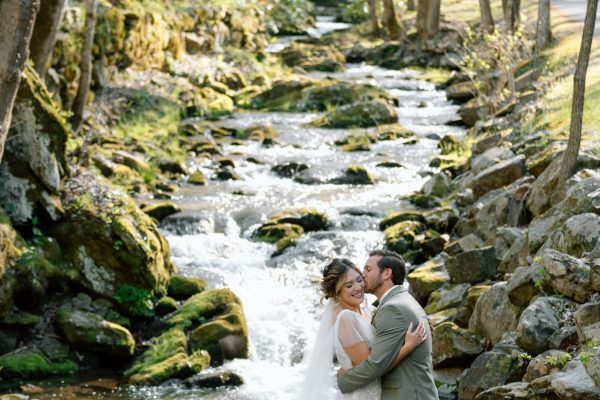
(489, 158)
(289, 169)
(161, 211)
(390, 164)
(31, 363)
(89, 331)
(442, 219)
(227, 174)
(573, 382)
(355, 175)
(265, 134)
(197, 178)
(392, 132)
(494, 314)
(182, 287)
(498, 175)
(461, 91)
(577, 201)
(359, 114)
(447, 296)
(133, 161)
(497, 367)
(399, 216)
(282, 235)
(473, 266)
(169, 166)
(225, 162)
(214, 379)
(579, 234)
(587, 321)
(464, 244)
(205, 147)
(438, 185)
(110, 169)
(282, 96)
(422, 201)
(310, 219)
(320, 97)
(430, 243)
(165, 305)
(546, 363)
(313, 58)
(8, 340)
(567, 275)
(537, 322)
(454, 346)
(400, 237)
(451, 145)
(205, 102)
(426, 278)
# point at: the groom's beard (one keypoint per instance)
(371, 287)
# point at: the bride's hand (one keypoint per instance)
(415, 337)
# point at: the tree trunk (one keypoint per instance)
(44, 34)
(85, 67)
(511, 9)
(487, 21)
(18, 18)
(410, 5)
(389, 16)
(374, 19)
(570, 156)
(543, 34)
(428, 18)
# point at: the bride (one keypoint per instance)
(346, 330)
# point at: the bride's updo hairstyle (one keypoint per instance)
(333, 276)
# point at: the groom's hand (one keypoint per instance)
(340, 372)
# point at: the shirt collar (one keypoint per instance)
(387, 292)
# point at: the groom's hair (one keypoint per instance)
(392, 260)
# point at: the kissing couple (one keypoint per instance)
(381, 356)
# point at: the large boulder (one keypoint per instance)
(359, 114)
(400, 237)
(313, 58)
(454, 346)
(466, 307)
(438, 185)
(448, 296)
(34, 161)
(587, 321)
(32, 363)
(567, 275)
(473, 266)
(490, 157)
(502, 365)
(320, 97)
(498, 175)
(494, 314)
(427, 277)
(399, 216)
(574, 383)
(110, 241)
(537, 322)
(579, 200)
(284, 95)
(524, 284)
(546, 363)
(578, 235)
(310, 219)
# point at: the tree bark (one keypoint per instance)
(18, 18)
(428, 18)
(410, 5)
(85, 67)
(569, 157)
(544, 33)
(487, 20)
(44, 34)
(374, 20)
(511, 9)
(390, 18)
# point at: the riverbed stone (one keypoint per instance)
(182, 287)
(202, 307)
(354, 175)
(438, 185)
(442, 219)
(310, 219)
(454, 346)
(498, 175)
(214, 379)
(400, 237)
(490, 157)
(359, 114)
(447, 296)
(537, 322)
(473, 266)
(579, 200)
(573, 382)
(497, 367)
(160, 211)
(197, 178)
(427, 277)
(281, 235)
(134, 161)
(265, 134)
(578, 235)
(165, 305)
(289, 169)
(313, 57)
(89, 331)
(398, 216)
(31, 363)
(494, 314)
(464, 244)
(567, 275)
(321, 96)
(587, 321)
(110, 241)
(284, 95)
(547, 363)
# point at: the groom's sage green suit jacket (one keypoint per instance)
(412, 379)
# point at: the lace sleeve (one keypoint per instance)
(350, 331)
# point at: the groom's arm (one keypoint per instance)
(389, 337)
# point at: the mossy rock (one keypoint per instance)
(165, 305)
(452, 145)
(265, 134)
(202, 307)
(197, 178)
(321, 97)
(310, 219)
(89, 331)
(313, 58)
(427, 278)
(359, 114)
(224, 338)
(392, 132)
(161, 211)
(281, 235)
(136, 303)
(356, 142)
(400, 237)
(454, 346)
(355, 175)
(282, 96)
(206, 102)
(424, 201)
(399, 216)
(31, 363)
(182, 287)
(206, 147)
(110, 240)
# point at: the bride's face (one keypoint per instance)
(352, 291)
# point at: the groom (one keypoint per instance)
(412, 379)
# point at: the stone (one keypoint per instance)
(564, 338)
(587, 321)
(454, 346)
(497, 367)
(310, 219)
(214, 379)
(355, 175)
(202, 307)
(265, 134)
(473, 266)
(226, 174)
(283, 95)
(504, 239)
(465, 309)
(400, 237)
(197, 178)
(494, 314)
(592, 365)
(360, 114)
(183, 287)
(133, 161)
(322, 96)
(595, 275)
(165, 305)
(426, 278)
(399, 216)
(486, 143)
(464, 244)
(282, 235)
(546, 363)
(490, 157)
(88, 331)
(537, 322)
(516, 254)
(498, 175)
(517, 391)
(442, 219)
(524, 284)
(448, 296)
(313, 57)
(173, 167)
(160, 211)
(438, 185)
(578, 235)
(461, 91)
(573, 382)
(289, 169)
(567, 275)
(31, 363)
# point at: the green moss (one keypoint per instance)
(178, 365)
(31, 364)
(400, 237)
(168, 344)
(283, 235)
(310, 219)
(135, 302)
(399, 216)
(201, 307)
(313, 57)
(197, 178)
(183, 287)
(165, 305)
(359, 114)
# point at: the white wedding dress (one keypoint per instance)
(351, 328)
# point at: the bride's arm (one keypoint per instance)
(412, 339)
(358, 352)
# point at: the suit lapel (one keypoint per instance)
(392, 293)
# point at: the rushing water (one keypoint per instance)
(212, 237)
